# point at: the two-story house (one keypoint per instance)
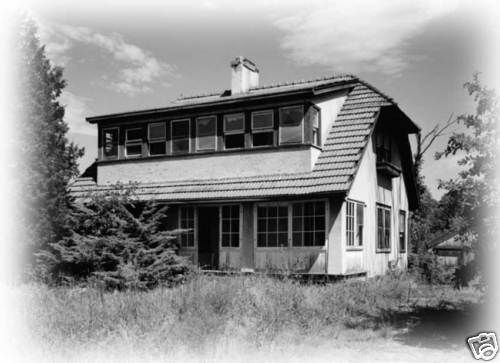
(312, 176)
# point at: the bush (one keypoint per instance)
(116, 243)
(427, 267)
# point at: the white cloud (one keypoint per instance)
(356, 35)
(76, 108)
(137, 68)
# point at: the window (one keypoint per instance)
(180, 136)
(313, 115)
(230, 229)
(383, 228)
(354, 224)
(156, 136)
(383, 147)
(308, 224)
(402, 231)
(186, 221)
(262, 128)
(110, 143)
(234, 131)
(291, 124)
(133, 142)
(272, 226)
(206, 133)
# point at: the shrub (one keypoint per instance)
(427, 267)
(116, 243)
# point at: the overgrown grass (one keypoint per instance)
(209, 311)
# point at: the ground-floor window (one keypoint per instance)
(354, 224)
(186, 221)
(306, 219)
(308, 224)
(230, 226)
(383, 227)
(402, 231)
(272, 226)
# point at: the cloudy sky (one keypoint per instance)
(129, 55)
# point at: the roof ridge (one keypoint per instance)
(274, 85)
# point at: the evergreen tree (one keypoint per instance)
(47, 160)
(118, 243)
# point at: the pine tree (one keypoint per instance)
(117, 242)
(47, 160)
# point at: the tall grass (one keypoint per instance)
(210, 311)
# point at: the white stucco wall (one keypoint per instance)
(366, 189)
(211, 166)
(330, 108)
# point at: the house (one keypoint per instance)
(312, 177)
(450, 249)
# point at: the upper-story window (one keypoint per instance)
(110, 142)
(291, 125)
(263, 128)
(313, 115)
(180, 136)
(383, 147)
(133, 142)
(206, 135)
(234, 131)
(157, 138)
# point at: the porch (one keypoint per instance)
(284, 237)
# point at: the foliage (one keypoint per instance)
(117, 243)
(47, 159)
(209, 312)
(427, 267)
(475, 190)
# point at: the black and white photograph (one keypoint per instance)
(264, 181)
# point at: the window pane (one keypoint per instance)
(235, 225)
(283, 224)
(234, 123)
(283, 239)
(134, 134)
(261, 225)
(297, 239)
(261, 239)
(272, 240)
(319, 208)
(262, 120)
(283, 212)
(180, 129)
(180, 146)
(291, 120)
(319, 223)
(235, 211)
(235, 240)
(272, 225)
(110, 142)
(157, 148)
(308, 238)
(134, 150)
(263, 139)
(226, 239)
(157, 131)
(319, 238)
(234, 141)
(226, 225)
(205, 132)
(261, 212)
(272, 212)
(308, 209)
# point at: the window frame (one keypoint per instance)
(289, 205)
(240, 224)
(262, 130)
(314, 231)
(385, 208)
(156, 140)
(172, 136)
(193, 230)
(280, 141)
(214, 117)
(405, 231)
(356, 246)
(133, 142)
(110, 157)
(320, 136)
(234, 132)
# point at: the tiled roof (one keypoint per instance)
(333, 171)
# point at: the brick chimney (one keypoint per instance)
(244, 75)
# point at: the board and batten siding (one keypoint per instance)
(371, 188)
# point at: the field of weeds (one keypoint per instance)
(213, 313)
